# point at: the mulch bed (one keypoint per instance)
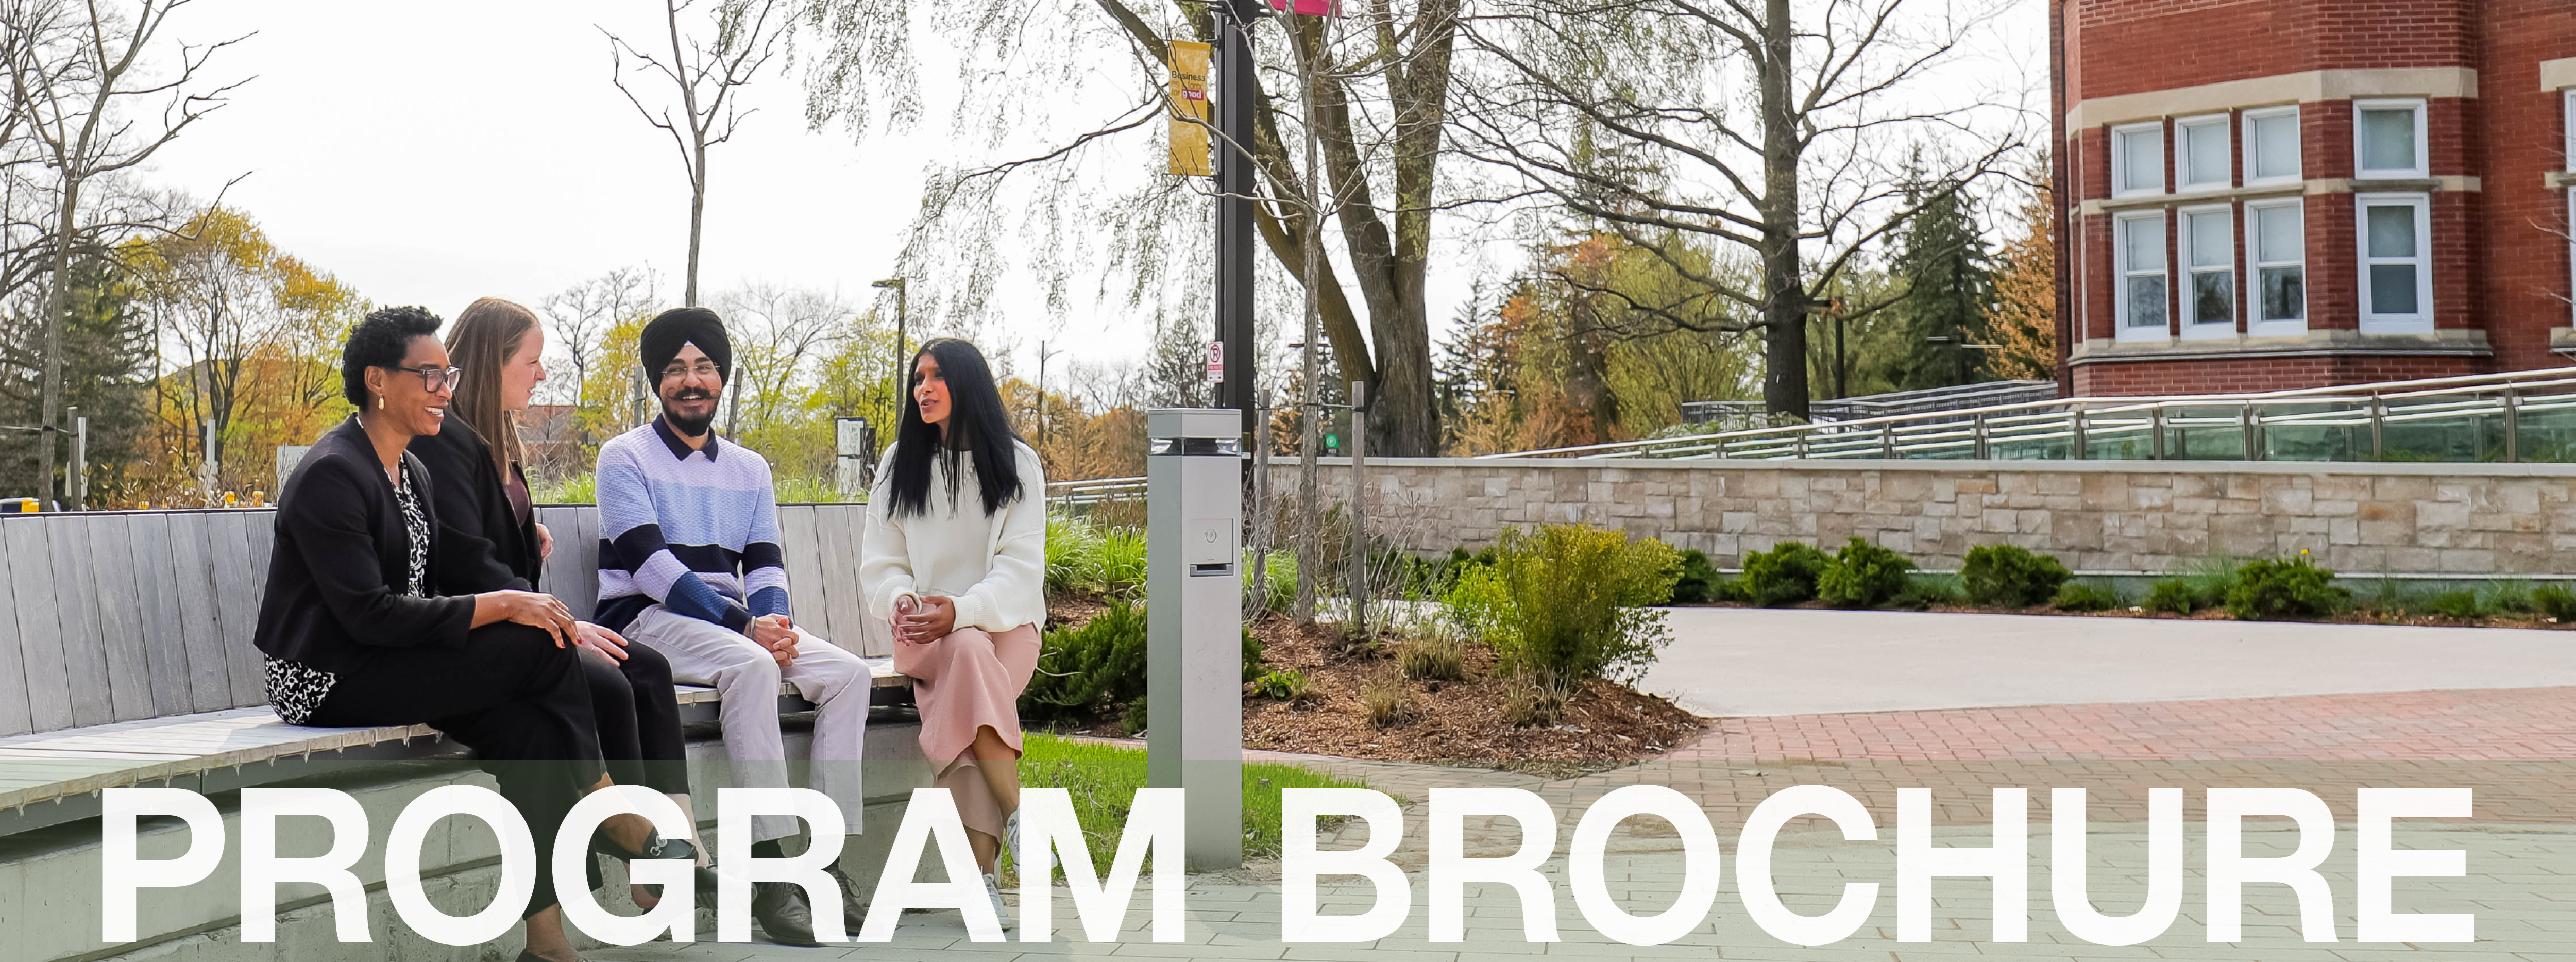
(1604, 726)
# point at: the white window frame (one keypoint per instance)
(2252, 153)
(2120, 158)
(2372, 320)
(2569, 129)
(2187, 293)
(2121, 331)
(2185, 129)
(2256, 325)
(2423, 163)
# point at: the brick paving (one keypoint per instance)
(2517, 724)
(2515, 747)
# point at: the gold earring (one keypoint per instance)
(380, 402)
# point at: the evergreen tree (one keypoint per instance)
(107, 353)
(1948, 275)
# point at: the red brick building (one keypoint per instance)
(2266, 194)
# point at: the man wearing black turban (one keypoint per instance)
(690, 565)
(661, 342)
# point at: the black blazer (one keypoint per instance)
(487, 548)
(341, 547)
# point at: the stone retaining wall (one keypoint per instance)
(2107, 516)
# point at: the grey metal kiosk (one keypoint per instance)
(1194, 618)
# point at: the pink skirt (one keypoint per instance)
(969, 680)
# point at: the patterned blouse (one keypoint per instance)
(296, 690)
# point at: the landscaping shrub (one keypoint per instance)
(1388, 701)
(1479, 602)
(1699, 582)
(1281, 574)
(2555, 601)
(2462, 605)
(2077, 596)
(2289, 588)
(1564, 603)
(1252, 661)
(1072, 556)
(2173, 595)
(1923, 591)
(1433, 658)
(1862, 575)
(1784, 575)
(1122, 560)
(1533, 705)
(1132, 720)
(1283, 685)
(2209, 578)
(1083, 671)
(2010, 575)
(2506, 598)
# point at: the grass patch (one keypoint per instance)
(1103, 780)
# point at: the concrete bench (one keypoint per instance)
(126, 655)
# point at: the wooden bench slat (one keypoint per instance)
(240, 575)
(199, 625)
(84, 659)
(14, 697)
(156, 614)
(114, 597)
(804, 563)
(40, 628)
(839, 528)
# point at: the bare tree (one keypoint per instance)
(79, 79)
(776, 331)
(705, 73)
(1383, 93)
(1777, 127)
(582, 315)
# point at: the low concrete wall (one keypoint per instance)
(2358, 519)
(49, 878)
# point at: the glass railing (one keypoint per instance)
(2522, 416)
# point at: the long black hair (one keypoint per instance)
(977, 427)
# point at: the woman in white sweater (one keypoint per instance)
(955, 555)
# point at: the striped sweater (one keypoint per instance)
(696, 531)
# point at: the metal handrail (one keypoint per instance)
(1983, 427)
(1095, 490)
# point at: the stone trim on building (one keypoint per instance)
(2288, 88)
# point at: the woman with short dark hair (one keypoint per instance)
(357, 632)
(955, 554)
(487, 523)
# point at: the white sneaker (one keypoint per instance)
(993, 890)
(1011, 841)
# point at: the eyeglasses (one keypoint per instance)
(435, 379)
(703, 370)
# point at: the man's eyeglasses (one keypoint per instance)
(435, 379)
(703, 370)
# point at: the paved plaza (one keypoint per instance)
(2491, 711)
(1765, 661)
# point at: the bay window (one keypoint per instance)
(2276, 243)
(2143, 292)
(2396, 263)
(2209, 260)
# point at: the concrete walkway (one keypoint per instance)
(1752, 661)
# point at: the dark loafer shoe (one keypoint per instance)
(780, 909)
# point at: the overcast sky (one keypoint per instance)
(433, 153)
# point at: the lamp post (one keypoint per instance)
(897, 284)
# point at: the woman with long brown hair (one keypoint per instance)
(478, 468)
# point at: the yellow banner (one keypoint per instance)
(1189, 91)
